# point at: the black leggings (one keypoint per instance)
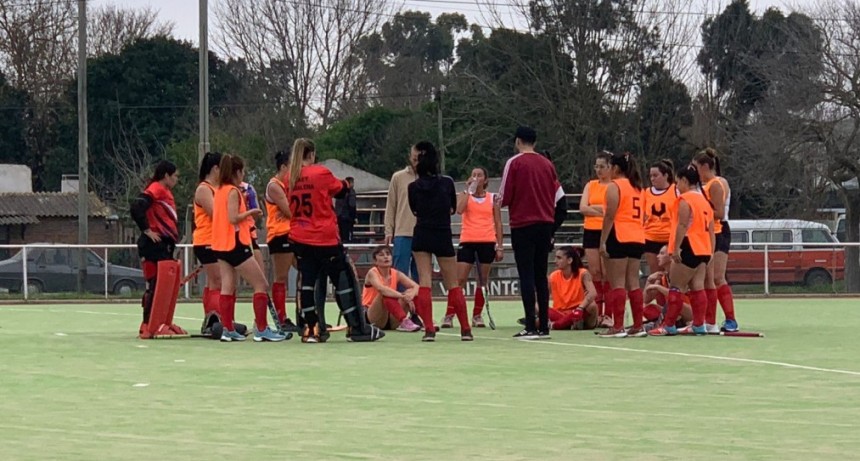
(532, 245)
(315, 263)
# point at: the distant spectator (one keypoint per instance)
(345, 209)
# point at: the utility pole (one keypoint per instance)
(203, 67)
(441, 147)
(83, 157)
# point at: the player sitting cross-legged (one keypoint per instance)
(573, 293)
(657, 294)
(385, 306)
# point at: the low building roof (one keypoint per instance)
(27, 207)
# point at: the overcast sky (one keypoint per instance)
(184, 13)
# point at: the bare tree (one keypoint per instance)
(111, 27)
(308, 50)
(837, 118)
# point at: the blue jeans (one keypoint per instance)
(402, 258)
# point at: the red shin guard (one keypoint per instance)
(615, 301)
(727, 301)
(700, 303)
(261, 304)
(456, 299)
(479, 301)
(637, 307)
(394, 308)
(711, 306)
(227, 309)
(676, 304)
(279, 298)
(425, 308)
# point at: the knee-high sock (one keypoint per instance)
(214, 301)
(479, 301)
(394, 308)
(206, 300)
(727, 301)
(227, 309)
(711, 311)
(450, 310)
(279, 298)
(615, 301)
(425, 309)
(699, 302)
(261, 304)
(637, 307)
(456, 299)
(676, 304)
(564, 321)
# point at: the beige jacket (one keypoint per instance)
(399, 220)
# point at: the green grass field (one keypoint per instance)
(76, 385)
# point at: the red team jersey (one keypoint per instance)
(161, 216)
(314, 221)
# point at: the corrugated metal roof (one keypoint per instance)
(7, 220)
(48, 204)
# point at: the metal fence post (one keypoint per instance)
(106, 272)
(26, 287)
(185, 255)
(766, 270)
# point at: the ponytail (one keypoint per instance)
(230, 165)
(666, 167)
(626, 162)
(709, 157)
(210, 160)
(691, 174)
(302, 149)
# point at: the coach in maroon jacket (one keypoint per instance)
(530, 189)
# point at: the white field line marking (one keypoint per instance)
(677, 354)
(554, 343)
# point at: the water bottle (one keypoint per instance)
(473, 186)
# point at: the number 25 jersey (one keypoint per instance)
(628, 218)
(313, 221)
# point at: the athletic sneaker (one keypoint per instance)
(466, 336)
(730, 325)
(288, 327)
(544, 335)
(605, 322)
(663, 331)
(269, 335)
(634, 332)
(711, 328)
(693, 330)
(447, 321)
(478, 321)
(527, 334)
(231, 336)
(416, 319)
(429, 337)
(408, 326)
(613, 333)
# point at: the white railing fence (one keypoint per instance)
(767, 264)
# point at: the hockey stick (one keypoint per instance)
(190, 276)
(739, 334)
(482, 286)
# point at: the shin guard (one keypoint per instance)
(164, 300)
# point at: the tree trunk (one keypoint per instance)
(852, 230)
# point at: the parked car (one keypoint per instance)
(54, 270)
(789, 262)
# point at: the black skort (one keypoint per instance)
(485, 253)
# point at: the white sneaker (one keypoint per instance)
(712, 329)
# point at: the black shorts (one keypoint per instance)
(205, 254)
(689, 259)
(618, 250)
(433, 241)
(239, 254)
(724, 239)
(654, 247)
(486, 252)
(280, 244)
(155, 251)
(591, 239)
